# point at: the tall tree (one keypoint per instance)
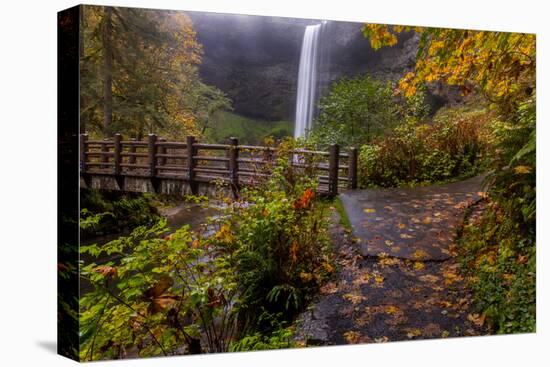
(107, 67)
(140, 73)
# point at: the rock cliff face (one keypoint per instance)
(255, 59)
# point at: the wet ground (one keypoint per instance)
(398, 277)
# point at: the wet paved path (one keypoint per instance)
(398, 278)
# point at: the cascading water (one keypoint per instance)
(307, 81)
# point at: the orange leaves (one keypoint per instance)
(196, 243)
(304, 200)
(106, 271)
(477, 319)
(157, 296)
(293, 252)
(306, 277)
(328, 267)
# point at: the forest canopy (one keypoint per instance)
(139, 74)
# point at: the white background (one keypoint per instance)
(28, 182)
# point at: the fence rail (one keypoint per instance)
(191, 161)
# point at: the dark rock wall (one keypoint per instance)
(255, 59)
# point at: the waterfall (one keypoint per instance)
(307, 81)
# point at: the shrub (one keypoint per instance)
(279, 231)
(106, 212)
(355, 111)
(453, 146)
(160, 296)
(237, 285)
(499, 248)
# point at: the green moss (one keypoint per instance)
(344, 219)
(224, 124)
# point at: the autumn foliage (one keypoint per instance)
(499, 65)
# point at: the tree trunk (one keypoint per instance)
(107, 69)
(81, 57)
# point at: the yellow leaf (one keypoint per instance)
(419, 265)
(352, 337)
(369, 210)
(477, 319)
(354, 298)
(328, 267)
(401, 225)
(411, 333)
(420, 254)
(306, 277)
(378, 278)
(522, 169)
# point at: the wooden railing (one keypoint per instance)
(195, 162)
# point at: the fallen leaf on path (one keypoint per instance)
(430, 278)
(363, 319)
(352, 337)
(432, 330)
(329, 288)
(391, 310)
(306, 277)
(354, 298)
(404, 235)
(411, 333)
(378, 278)
(477, 319)
(388, 261)
(369, 210)
(420, 254)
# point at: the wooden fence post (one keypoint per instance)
(352, 168)
(83, 147)
(162, 150)
(131, 150)
(191, 152)
(104, 149)
(333, 162)
(233, 163)
(152, 139)
(117, 149)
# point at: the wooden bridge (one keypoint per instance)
(191, 167)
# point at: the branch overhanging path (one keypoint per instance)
(398, 278)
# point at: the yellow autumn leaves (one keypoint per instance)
(500, 65)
